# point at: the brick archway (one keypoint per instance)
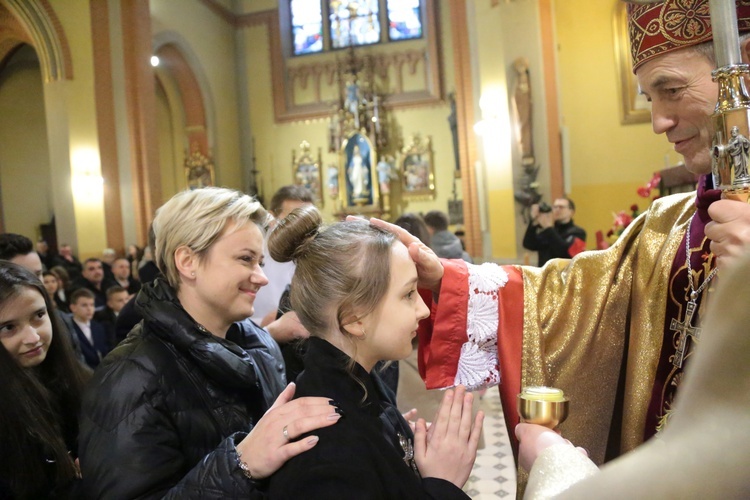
(173, 62)
(34, 22)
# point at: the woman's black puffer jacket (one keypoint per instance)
(164, 410)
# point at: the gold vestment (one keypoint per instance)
(594, 325)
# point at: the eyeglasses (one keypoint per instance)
(560, 207)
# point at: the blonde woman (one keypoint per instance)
(184, 407)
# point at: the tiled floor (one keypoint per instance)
(494, 473)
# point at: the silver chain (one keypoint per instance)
(693, 292)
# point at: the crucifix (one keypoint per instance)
(685, 329)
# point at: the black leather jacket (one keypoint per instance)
(164, 409)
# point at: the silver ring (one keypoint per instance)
(286, 433)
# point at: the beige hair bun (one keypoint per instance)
(292, 234)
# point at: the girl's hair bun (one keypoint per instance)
(292, 235)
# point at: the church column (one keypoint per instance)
(465, 119)
(106, 126)
(140, 97)
(557, 188)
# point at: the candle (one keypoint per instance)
(542, 393)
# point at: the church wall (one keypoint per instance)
(24, 157)
(607, 161)
(502, 33)
(71, 119)
(171, 156)
(209, 39)
(274, 142)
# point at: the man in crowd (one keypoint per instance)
(20, 250)
(553, 234)
(92, 279)
(445, 244)
(615, 328)
(108, 258)
(68, 261)
(124, 277)
(42, 249)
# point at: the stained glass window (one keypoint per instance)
(404, 19)
(354, 22)
(307, 26)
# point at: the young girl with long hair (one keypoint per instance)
(40, 392)
(355, 291)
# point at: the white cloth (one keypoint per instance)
(555, 470)
(86, 329)
(478, 365)
(279, 275)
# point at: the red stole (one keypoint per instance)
(668, 376)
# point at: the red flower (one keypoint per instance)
(644, 191)
(623, 219)
(633, 207)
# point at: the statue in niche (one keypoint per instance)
(333, 181)
(199, 170)
(522, 110)
(527, 193)
(386, 173)
(358, 175)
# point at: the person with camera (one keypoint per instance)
(552, 233)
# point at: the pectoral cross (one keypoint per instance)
(685, 329)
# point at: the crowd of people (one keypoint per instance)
(193, 400)
(87, 296)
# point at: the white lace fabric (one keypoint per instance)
(478, 364)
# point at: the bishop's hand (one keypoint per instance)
(729, 231)
(534, 439)
(429, 268)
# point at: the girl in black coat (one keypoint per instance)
(40, 392)
(180, 409)
(355, 290)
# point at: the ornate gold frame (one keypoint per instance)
(418, 169)
(635, 107)
(306, 171)
(199, 170)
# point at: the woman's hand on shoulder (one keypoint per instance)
(448, 450)
(275, 438)
(287, 328)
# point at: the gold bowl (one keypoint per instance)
(541, 405)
